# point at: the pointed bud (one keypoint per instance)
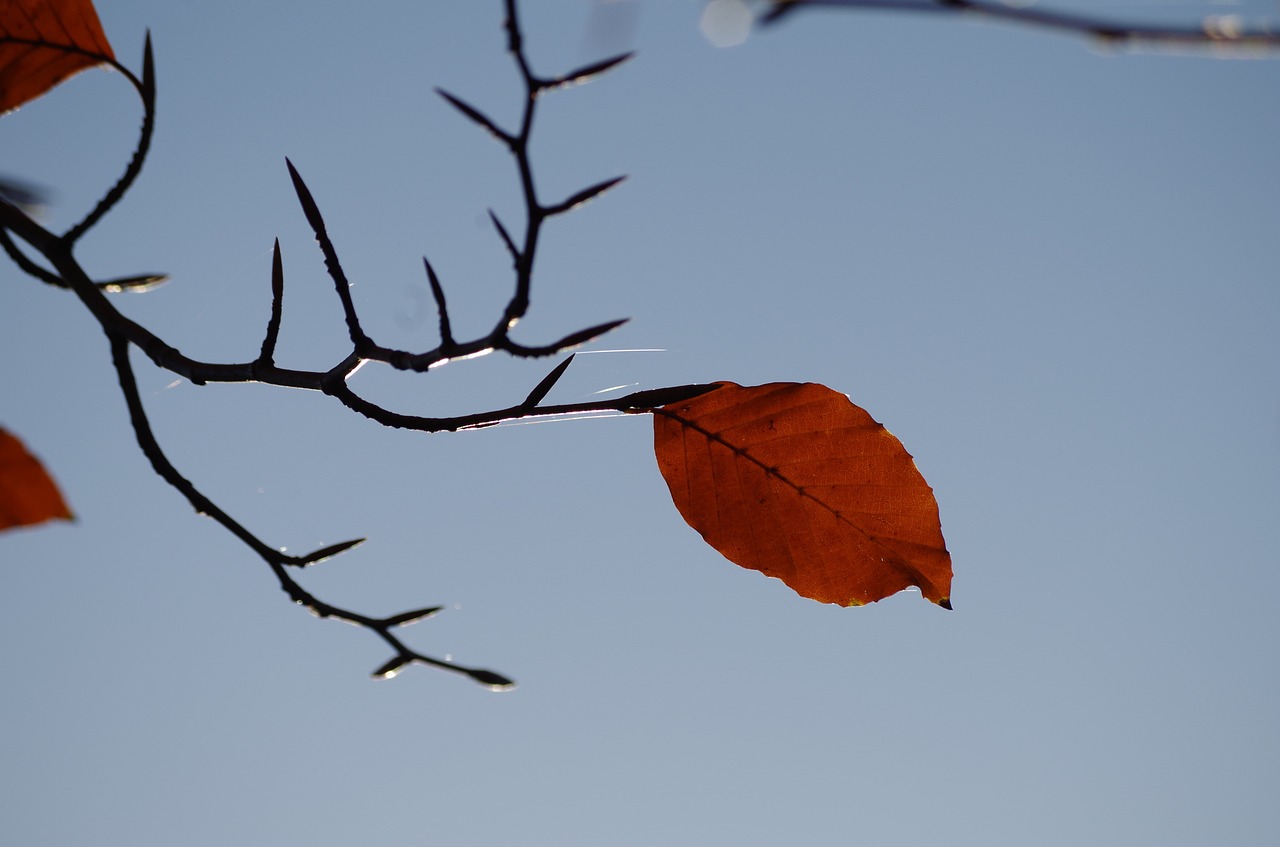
(584, 195)
(475, 115)
(542, 388)
(391, 668)
(327, 552)
(586, 73)
(406, 618)
(138, 283)
(495, 681)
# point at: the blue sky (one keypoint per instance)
(1050, 271)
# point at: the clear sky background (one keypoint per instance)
(1052, 272)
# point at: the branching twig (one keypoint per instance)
(123, 333)
(276, 560)
(1218, 31)
(536, 213)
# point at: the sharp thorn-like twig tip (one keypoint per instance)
(308, 202)
(267, 355)
(494, 681)
(392, 667)
(571, 340)
(437, 293)
(589, 334)
(476, 115)
(1216, 33)
(586, 73)
(584, 196)
(148, 71)
(137, 283)
(331, 262)
(505, 236)
(542, 388)
(407, 618)
(326, 552)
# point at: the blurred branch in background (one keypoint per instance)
(1218, 33)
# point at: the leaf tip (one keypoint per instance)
(945, 603)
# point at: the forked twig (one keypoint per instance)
(123, 333)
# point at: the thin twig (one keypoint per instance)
(437, 293)
(124, 333)
(331, 263)
(276, 560)
(146, 88)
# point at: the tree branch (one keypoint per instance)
(124, 333)
(1218, 31)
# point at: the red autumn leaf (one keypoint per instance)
(27, 494)
(795, 481)
(42, 42)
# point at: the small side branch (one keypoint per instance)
(276, 560)
(267, 356)
(331, 263)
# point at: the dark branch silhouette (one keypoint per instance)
(64, 271)
(59, 267)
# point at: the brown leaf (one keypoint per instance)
(27, 494)
(42, 42)
(795, 481)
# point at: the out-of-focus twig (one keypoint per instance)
(1217, 32)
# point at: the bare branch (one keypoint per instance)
(124, 333)
(276, 560)
(331, 263)
(151, 449)
(1218, 32)
(506, 238)
(21, 259)
(136, 283)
